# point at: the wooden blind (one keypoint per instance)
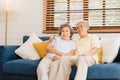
(101, 14)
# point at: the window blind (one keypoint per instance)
(102, 15)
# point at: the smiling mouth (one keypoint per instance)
(63, 35)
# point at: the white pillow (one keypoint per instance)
(26, 50)
(110, 49)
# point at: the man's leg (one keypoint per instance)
(64, 69)
(53, 70)
(82, 66)
(43, 69)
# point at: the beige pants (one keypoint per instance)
(81, 62)
(47, 69)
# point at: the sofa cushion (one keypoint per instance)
(28, 67)
(40, 47)
(73, 72)
(21, 66)
(110, 49)
(103, 71)
(100, 71)
(27, 51)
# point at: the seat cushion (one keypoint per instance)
(73, 72)
(110, 71)
(21, 66)
(28, 67)
(104, 71)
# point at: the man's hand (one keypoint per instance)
(51, 39)
(92, 52)
(85, 54)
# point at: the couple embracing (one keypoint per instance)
(64, 52)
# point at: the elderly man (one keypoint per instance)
(87, 46)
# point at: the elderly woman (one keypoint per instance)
(60, 46)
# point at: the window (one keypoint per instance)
(103, 15)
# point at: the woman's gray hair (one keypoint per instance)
(66, 25)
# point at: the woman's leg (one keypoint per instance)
(43, 69)
(64, 69)
(53, 70)
(82, 66)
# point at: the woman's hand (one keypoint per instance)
(56, 57)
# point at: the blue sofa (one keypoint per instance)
(12, 67)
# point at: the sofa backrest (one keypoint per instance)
(25, 38)
(117, 59)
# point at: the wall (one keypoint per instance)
(27, 19)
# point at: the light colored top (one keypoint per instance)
(84, 45)
(62, 46)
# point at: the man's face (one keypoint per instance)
(82, 28)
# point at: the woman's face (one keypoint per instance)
(65, 33)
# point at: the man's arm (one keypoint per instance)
(96, 45)
(93, 51)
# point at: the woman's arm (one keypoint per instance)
(53, 50)
(71, 53)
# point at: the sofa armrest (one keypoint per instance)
(7, 53)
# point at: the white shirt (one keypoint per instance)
(62, 46)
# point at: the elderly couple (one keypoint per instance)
(64, 52)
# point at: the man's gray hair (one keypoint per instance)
(85, 22)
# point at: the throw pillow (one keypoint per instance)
(100, 55)
(26, 50)
(41, 48)
(110, 49)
